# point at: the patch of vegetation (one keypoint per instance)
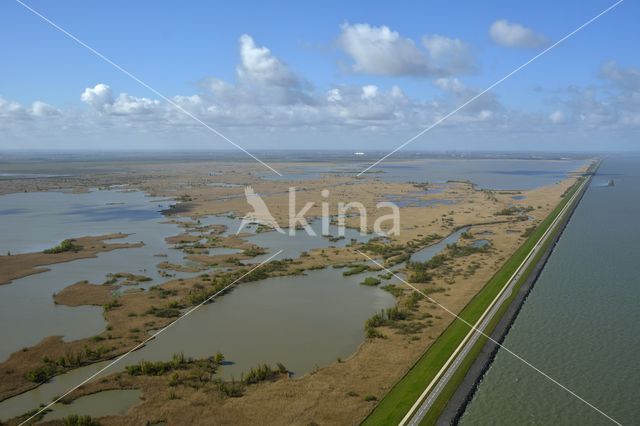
(356, 269)
(378, 247)
(420, 276)
(231, 389)
(370, 281)
(419, 271)
(513, 210)
(65, 246)
(162, 293)
(372, 333)
(177, 362)
(471, 269)
(425, 240)
(35, 415)
(262, 373)
(163, 312)
(41, 374)
(254, 251)
(115, 303)
(411, 302)
(75, 420)
(456, 250)
(263, 228)
(528, 231)
(386, 317)
(393, 289)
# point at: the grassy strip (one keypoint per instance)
(402, 396)
(445, 395)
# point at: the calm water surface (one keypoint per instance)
(510, 174)
(42, 220)
(301, 321)
(106, 403)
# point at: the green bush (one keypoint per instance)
(370, 281)
(41, 374)
(66, 245)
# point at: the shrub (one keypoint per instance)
(370, 281)
(260, 374)
(66, 245)
(355, 269)
(113, 304)
(372, 333)
(254, 251)
(40, 374)
(393, 289)
(420, 277)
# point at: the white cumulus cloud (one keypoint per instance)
(98, 96)
(382, 51)
(511, 34)
(259, 65)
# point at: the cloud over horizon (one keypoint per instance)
(268, 98)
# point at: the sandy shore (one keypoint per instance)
(21, 265)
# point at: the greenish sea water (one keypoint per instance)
(580, 324)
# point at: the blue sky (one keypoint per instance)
(589, 82)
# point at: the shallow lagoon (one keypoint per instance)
(511, 174)
(53, 216)
(301, 321)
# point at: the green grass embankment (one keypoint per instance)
(393, 407)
